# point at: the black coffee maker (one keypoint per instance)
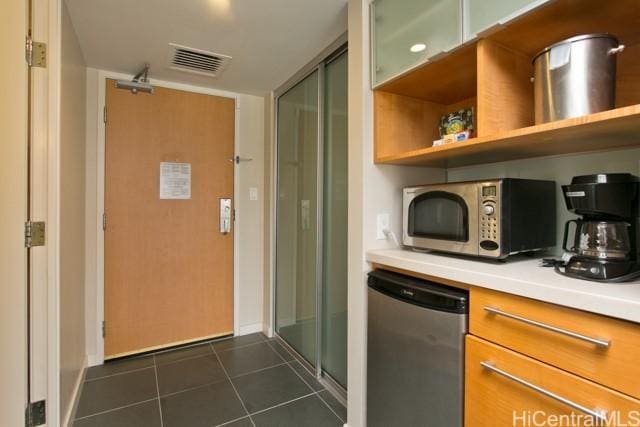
(604, 246)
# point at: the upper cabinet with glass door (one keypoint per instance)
(406, 33)
(481, 15)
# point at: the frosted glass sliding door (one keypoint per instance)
(334, 230)
(311, 218)
(296, 217)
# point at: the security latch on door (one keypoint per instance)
(225, 216)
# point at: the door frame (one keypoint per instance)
(103, 75)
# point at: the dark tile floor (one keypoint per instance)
(245, 381)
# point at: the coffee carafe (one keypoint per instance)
(604, 246)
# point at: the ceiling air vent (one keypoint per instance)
(197, 61)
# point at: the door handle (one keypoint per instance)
(225, 216)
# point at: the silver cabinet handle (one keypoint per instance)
(599, 415)
(225, 216)
(597, 341)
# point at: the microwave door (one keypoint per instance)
(442, 218)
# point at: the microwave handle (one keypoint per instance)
(566, 234)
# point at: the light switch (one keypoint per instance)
(253, 193)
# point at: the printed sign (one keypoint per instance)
(175, 180)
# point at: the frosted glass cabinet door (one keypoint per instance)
(408, 32)
(483, 14)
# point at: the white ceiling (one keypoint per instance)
(269, 40)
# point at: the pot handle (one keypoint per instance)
(566, 235)
(615, 50)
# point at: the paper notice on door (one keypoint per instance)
(175, 180)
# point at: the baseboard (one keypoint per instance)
(94, 360)
(286, 322)
(77, 391)
(268, 332)
(250, 329)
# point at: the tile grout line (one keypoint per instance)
(183, 359)
(313, 390)
(88, 380)
(300, 376)
(173, 393)
(316, 392)
(278, 353)
(241, 346)
(155, 365)
(259, 370)
(226, 423)
(329, 406)
(233, 385)
(115, 409)
(282, 404)
(153, 356)
(155, 371)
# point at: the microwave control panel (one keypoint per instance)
(489, 218)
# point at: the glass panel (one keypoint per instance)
(439, 215)
(482, 14)
(408, 32)
(296, 217)
(334, 233)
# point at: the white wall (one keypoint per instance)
(72, 215)
(249, 214)
(559, 169)
(372, 189)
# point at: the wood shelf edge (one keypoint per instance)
(547, 144)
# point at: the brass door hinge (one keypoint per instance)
(34, 233)
(36, 414)
(35, 53)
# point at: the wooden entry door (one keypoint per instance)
(168, 267)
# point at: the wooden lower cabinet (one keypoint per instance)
(615, 366)
(494, 399)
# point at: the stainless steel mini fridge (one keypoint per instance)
(415, 352)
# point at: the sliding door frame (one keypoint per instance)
(318, 64)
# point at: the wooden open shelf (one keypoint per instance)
(493, 75)
(606, 130)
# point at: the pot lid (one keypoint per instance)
(577, 39)
(605, 178)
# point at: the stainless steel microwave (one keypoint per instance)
(494, 218)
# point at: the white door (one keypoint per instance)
(13, 202)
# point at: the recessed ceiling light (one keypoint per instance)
(418, 47)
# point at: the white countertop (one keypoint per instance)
(521, 276)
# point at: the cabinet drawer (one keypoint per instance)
(504, 388)
(596, 347)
